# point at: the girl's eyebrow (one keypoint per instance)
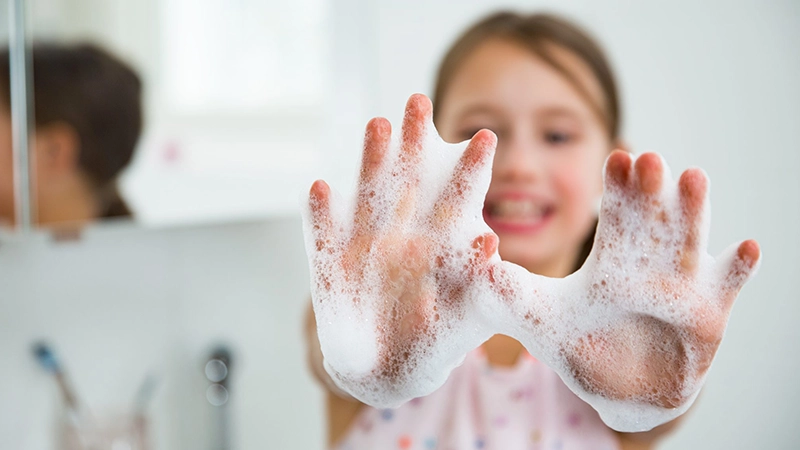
(558, 111)
(479, 108)
(546, 112)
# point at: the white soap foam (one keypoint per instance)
(597, 328)
(355, 334)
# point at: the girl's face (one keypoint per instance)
(547, 173)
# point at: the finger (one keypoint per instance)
(484, 246)
(322, 224)
(376, 146)
(741, 266)
(617, 174)
(418, 114)
(618, 169)
(649, 173)
(692, 189)
(453, 199)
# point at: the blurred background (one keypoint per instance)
(246, 102)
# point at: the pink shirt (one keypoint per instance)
(485, 407)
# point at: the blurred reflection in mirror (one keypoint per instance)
(87, 120)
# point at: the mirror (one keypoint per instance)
(231, 96)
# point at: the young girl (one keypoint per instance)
(547, 92)
(88, 117)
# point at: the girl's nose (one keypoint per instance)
(516, 159)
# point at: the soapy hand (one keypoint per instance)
(399, 266)
(668, 299)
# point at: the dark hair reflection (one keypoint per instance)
(86, 88)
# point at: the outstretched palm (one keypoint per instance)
(391, 267)
(649, 272)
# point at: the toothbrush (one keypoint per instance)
(47, 359)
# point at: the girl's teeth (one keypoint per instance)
(514, 209)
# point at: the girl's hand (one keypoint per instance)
(408, 284)
(398, 273)
(649, 272)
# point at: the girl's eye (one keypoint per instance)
(557, 137)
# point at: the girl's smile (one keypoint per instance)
(517, 212)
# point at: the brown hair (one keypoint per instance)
(539, 33)
(99, 96)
